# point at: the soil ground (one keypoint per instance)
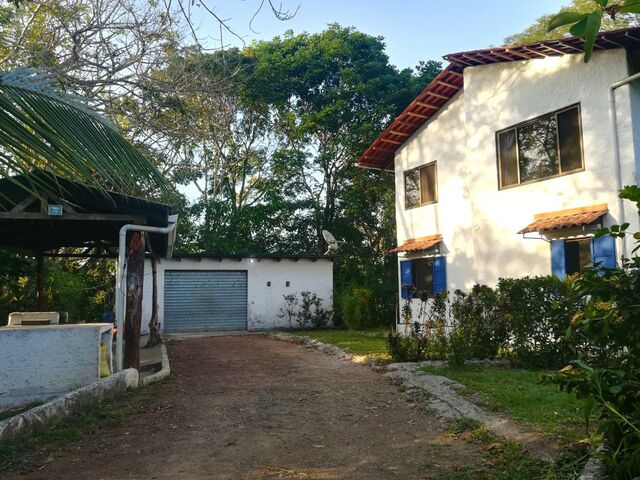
(249, 407)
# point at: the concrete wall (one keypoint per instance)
(479, 222)
(264, 302)
(42, 362)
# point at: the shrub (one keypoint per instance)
(288, 310)
(311, 312)
(539, 312)
(358, 308)
(306, 310)
(411, 347)
(608, 372)
(479, 323)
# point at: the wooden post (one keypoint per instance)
(134, 288)
(154, 326)
(40, 300)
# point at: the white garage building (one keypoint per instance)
(232, 292)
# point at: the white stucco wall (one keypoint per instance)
(41, 362)
(477, 220)
(263, 302)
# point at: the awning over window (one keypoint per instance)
(418, 244)
(564, 219)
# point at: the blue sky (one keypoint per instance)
(413, 29)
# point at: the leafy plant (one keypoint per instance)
(358, 308)
(608, 372)
(288, 310)
(587, 25)
(46, 127)
(539, 312)
(311, 312)
(410, 347)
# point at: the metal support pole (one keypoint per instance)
(121, 280)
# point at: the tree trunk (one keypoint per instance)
(154, 326)
(135, 284)
(41, 301)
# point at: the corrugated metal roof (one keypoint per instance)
(418, 244)
(381, 153)
(563, 219)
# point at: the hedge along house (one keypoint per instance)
(234, 292)
(507, 163)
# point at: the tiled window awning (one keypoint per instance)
(564, 219)
(418, 244)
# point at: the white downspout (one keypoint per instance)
(120, 294)
(616, 147)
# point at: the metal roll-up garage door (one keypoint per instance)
(197, 301)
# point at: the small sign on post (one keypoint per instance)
(54, 210)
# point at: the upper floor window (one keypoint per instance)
(420, 186)
(541, 148)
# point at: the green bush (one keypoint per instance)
(607, 372)
(411, 347)
(539, 312)
(477, 320)
(358, 310)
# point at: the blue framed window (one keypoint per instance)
(574, 255)
(425, 274)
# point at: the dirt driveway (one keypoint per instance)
(249, 407)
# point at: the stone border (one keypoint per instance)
(163, 373)
(448, 404)
(41, 415)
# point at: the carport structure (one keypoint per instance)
(89, 222)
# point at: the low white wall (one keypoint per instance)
(42, 362)
(263, 302)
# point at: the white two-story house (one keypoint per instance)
(511, 158)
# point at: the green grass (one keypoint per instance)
(520, 394)
(88, 421)
(507, 460)
(368, 342)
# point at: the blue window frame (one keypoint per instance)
(572, 256)
(425, 274)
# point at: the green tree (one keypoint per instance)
(331, 93)
(540, 28)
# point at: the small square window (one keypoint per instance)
(421, 186)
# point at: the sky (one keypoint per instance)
(414, 30)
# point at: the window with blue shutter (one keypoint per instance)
(439, 274)
(425, 274)
(406, 277)
(603, 251)
(558, 263)
(574, 255)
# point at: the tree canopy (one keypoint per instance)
(539, 29)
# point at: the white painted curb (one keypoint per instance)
(59, 407)
(164, 372)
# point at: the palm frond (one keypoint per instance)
(42, 127)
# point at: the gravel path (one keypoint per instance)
(250, 407)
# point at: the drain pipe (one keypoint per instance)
(616, 147)
(120, 281)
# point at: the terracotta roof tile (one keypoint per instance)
(563, 219)
(381, 153)
(418, 244)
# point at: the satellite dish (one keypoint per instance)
(332, 243)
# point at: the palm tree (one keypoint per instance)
(42, 127)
